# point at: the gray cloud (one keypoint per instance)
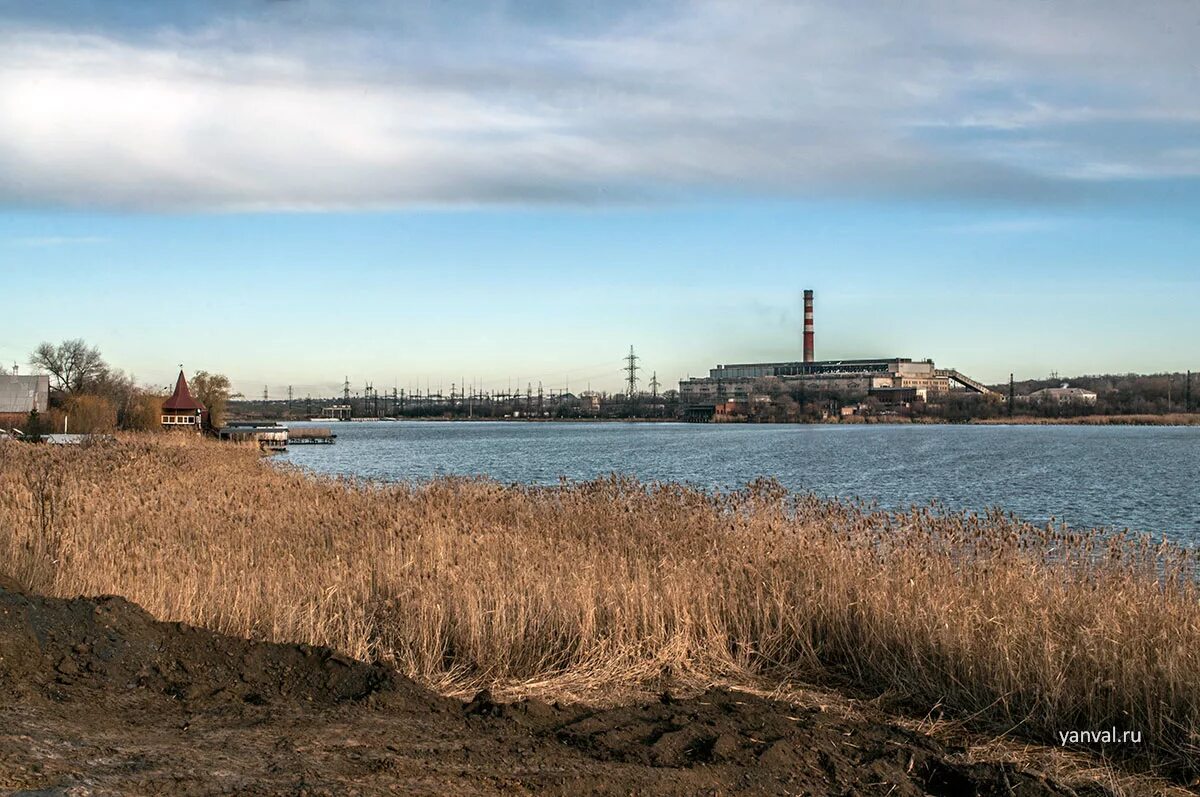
(305, 105)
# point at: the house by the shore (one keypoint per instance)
(1064, 394)
(21, 395)
(182, 410)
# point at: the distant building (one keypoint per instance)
(731, 411)
(182, 411)
(589, 400)
(336, 412)
(825, 377)
(20, 395)
(1064, 394)
(902, 396)
(894, 379)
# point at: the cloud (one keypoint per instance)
(58, 240)
(307, 105)
(1003, 226)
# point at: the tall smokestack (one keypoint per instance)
(808, 326)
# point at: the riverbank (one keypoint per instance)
(592, 592)
(1169, 419)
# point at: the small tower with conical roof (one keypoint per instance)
(182, 411)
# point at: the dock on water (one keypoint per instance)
(269, 436)
(313, 436)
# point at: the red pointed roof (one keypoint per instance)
(182, 399)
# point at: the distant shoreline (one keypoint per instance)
(1172, 419)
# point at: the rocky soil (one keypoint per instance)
(98, 698)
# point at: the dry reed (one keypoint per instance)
(464, 582)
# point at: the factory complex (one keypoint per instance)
(914, 379)
(895, 379)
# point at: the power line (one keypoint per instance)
(631, 369)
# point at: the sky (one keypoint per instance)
(293, 192)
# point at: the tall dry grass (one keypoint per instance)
(461, 583)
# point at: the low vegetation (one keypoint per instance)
(1166, 419)
(1033, 631)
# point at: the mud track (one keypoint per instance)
(98, 698)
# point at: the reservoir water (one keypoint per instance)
(1143, 478)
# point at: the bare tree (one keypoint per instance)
(116, 386)
(72, 364)
(213, 392)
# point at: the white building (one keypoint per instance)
(1065, 394)
(21, 394)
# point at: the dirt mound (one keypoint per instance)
(802, 751)
(50, 645)
(100, 698)
(809, 750)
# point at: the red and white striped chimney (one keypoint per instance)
(808, 326)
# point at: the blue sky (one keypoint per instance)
(412, 194)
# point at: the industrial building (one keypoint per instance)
(897, 376)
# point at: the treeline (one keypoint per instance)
(89, 396)
(1116, 395)
(549, 407)
(780, 403)
(1120, 394)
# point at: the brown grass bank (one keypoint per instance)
(1168, 419)
(463, 583)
